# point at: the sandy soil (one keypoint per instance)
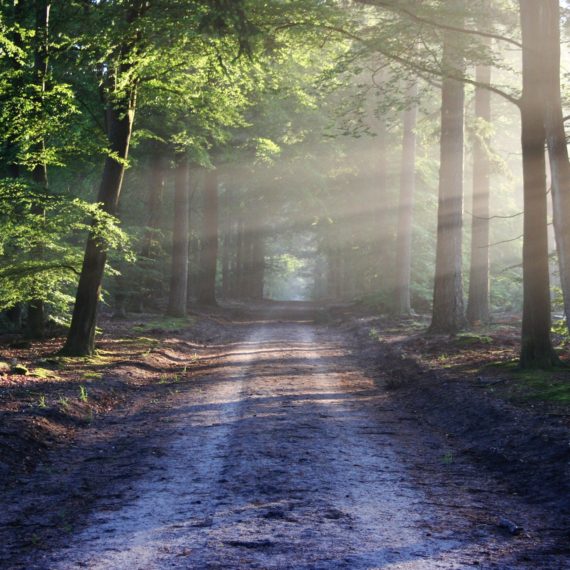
(287, 452)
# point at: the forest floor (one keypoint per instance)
(283, 436)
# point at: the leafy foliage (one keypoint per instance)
(31, 221)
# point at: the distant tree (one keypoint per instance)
(178, 292)
(478, 298)
(406, 204)
(209, 252)
(36, 307)
(448, 309)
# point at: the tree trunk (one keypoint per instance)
(36, 308)
(536, 345)
(557, 148)
(193, 246)
(178, 295)
(227, 243)
(448, 311)
(209, 257)
(240, 259)
(81, 336)
(152, 286)
(478, 300)
(406, 206)
(334, 271)
(157, 181)
(258, 273)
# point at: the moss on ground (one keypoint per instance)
(543, 385)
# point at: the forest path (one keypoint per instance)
(288, 455)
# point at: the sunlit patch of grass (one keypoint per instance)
(169, 378)
(140, 340)
(92, 375)
(100, 358)
(45, 374)
(166, 324)
(83, 396)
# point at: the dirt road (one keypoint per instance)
(286, 453)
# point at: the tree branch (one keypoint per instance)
(500, 242)
(494, 217)
(405, 62)
(419, 19)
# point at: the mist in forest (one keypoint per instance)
(284, 284)
(338, 152)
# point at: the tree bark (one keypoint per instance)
(557, 148)
(536, 345)
(406, 206)
(478, 299)
(178, 295)
(448, 309)
(209, 257)
(81, 336)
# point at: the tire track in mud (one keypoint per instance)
(289, 456)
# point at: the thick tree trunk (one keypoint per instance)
(448, 309)
(536, 346)
(81, 335)
(406, 206)
(178, 294)
(557, 148)
(478, 299)
(209, 257)
(36, 308)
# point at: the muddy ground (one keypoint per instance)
(279, 437)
